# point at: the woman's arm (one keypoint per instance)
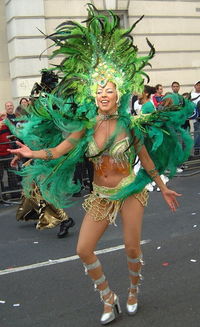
(155, 101)
(148, 165)
(51, 153)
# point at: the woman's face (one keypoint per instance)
(142, 98)
(159, 90)
(107, 98)
(24, 103)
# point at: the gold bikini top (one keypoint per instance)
(117, 151)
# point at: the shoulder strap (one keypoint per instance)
(195, 98)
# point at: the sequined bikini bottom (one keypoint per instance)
(101, 207)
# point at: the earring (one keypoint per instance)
(118, 102)
(96, 102)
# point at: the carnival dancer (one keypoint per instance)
(100, 72)
(45, 215)
(34, 207)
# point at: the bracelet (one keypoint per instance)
(49, 154)
(153, 173)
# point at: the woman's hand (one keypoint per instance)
(14, 161)
(1, 124)
(23, 151)
(170, 198)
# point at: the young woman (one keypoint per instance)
(101, 71)
(145, 100)
(24, 102)
(109, 174)
(158, 96)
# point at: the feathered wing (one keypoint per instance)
(46, 125)
(167, 143)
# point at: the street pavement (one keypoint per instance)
(42, 283)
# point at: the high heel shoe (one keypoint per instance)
(133, 290)
(105, 292)
(116, 310)
(131, 308)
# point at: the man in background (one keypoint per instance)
(9, 109)
(195, 95)
(5, 156)
(195, 123)
(175, 87)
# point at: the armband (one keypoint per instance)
(153, 173)
(48, 154)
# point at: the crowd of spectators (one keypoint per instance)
(155, 96)
(9, 181)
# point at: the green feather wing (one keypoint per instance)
(167, 143)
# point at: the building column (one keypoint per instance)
(25, 44)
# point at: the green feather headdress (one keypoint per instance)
(97, 53)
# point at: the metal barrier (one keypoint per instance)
(196, 137)
(192, 165)
(10, 183)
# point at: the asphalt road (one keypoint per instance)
(49, 291)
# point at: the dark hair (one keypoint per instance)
(149, 90)
(186, 95)
(19, 111)
(157, 86)
(20, 102)
(175, 83)
(49, 81)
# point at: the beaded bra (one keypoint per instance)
(117, 151)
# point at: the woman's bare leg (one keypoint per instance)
(90, 233)
(132, 215)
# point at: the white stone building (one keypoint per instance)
(172, 26)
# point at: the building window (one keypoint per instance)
(123, 15)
